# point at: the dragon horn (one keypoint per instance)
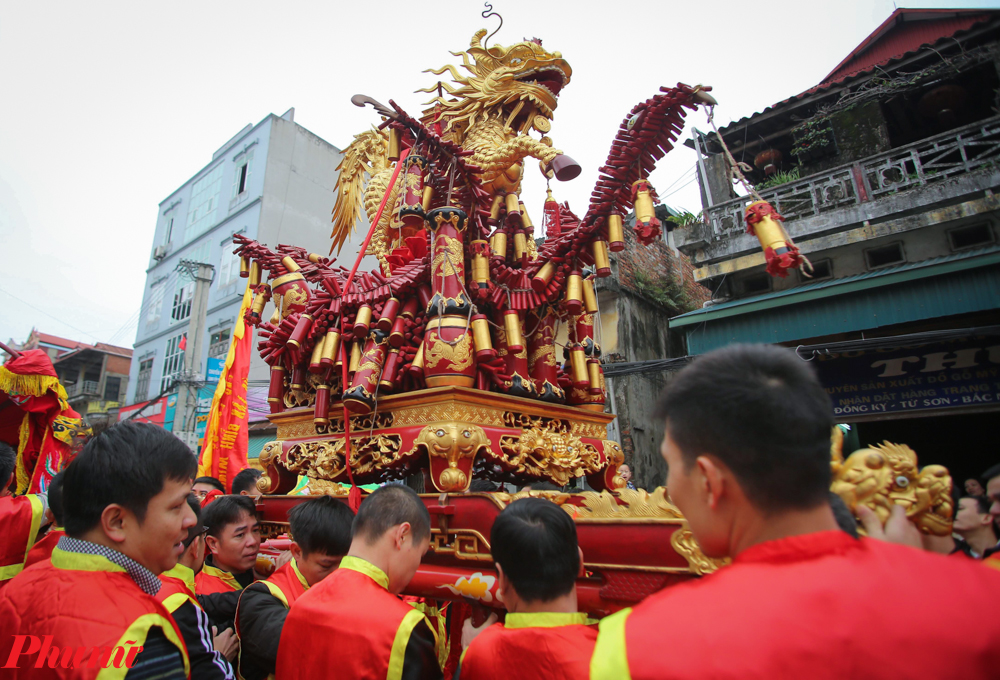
(477, 38)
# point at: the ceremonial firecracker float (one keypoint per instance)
(445, 360)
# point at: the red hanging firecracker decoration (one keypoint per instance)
(765, 223)
(647, 227)
(551, 220)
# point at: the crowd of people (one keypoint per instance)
(147, 571)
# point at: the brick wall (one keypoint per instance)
(658, 261)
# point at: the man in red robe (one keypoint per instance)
(747, 445)
(20, 519)
(352, 624)
(92, 605)
(321, 529)
(533, 542)
(210, 655)
(42, 549)
(233, 542)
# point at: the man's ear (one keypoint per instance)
(502, 583)
(712, 480)
(986, 520)
(113, 519)
(296, 550)
(212, 544)
(582, 569)
(400, 534)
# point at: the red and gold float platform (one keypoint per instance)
(455, 434)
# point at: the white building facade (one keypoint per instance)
(273, 182)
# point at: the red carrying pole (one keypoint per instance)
(354, 497)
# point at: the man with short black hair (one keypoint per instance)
(233, 542)
(21, 517)
(209, 654)
(376, 634)
(245, 483)
(321, 536)
(42, 549)
(747, 446)
(974, 523)
(127, 516)
(534, 545)
(205, 485)
(992, 479)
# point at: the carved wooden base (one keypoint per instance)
(455, 433)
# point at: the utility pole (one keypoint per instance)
(192, 377)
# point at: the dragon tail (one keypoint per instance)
(365, 155)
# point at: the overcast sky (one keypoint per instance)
(108, 107)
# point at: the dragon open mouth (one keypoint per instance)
(549, 78)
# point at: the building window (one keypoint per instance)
(155, 305)
(242, 176)
(219, 343)
(182, 301)
(169, 235)
(885, 256)
(821, 269)
(173, 360)
(756, 283)
(970, 237)
(204, 201)
(142, 384)
(112, 387)
(229, 268)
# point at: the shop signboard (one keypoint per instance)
(152, 412)
(953, 374)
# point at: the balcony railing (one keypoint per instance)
(85, 388)
(930, 160)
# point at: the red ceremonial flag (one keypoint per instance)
(225, 451)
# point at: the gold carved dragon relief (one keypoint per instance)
(548, 450)
(452, 441)
(324, 459)
(886, 474)
(505, 94)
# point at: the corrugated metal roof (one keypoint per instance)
(255, 444)
(905, 31)
(943, 286)
(870, 54)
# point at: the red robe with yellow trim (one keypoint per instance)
(73, 603)
(543, 646)
(287, 581)
(350, 626)
(260, 617)
(173, 584)
(214, 580)
(20, 519)
(820, 605)
(42, 550)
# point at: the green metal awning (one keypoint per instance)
(942, 286)
(255, 444)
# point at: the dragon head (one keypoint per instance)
(522, 81)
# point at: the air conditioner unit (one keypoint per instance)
(160, 252)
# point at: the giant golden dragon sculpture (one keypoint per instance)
(509, 92)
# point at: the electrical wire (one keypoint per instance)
(62, 321)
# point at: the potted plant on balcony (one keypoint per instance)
(814, 140)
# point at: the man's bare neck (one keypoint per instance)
(980, 539)
(761, 528)
(567, 604)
